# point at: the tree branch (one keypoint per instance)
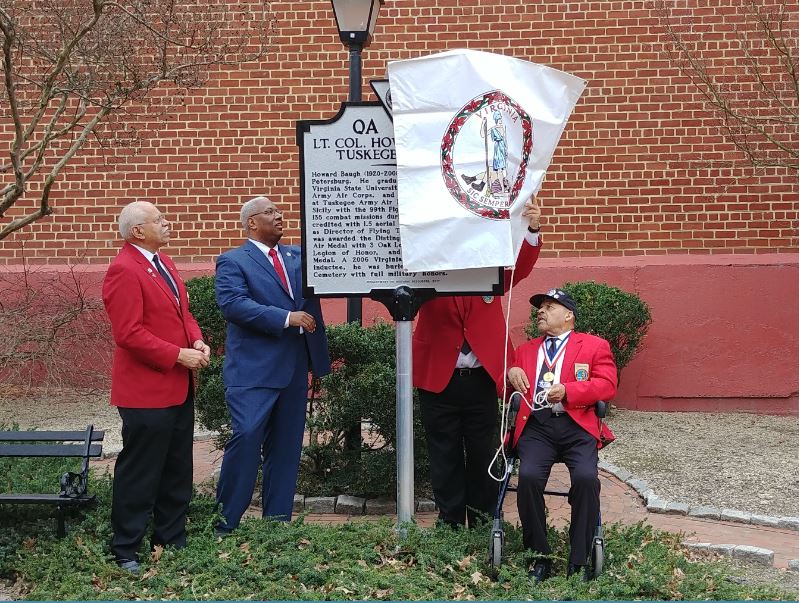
(102, 58)
(763, 128)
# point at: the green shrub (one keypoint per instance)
(202, 303)
(620, 317)
(362, 386)
(360, 560)
(212, 412)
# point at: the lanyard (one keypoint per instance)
(561, 349)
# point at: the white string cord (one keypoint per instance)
(539, 401)
(500, 453)
(503, 423)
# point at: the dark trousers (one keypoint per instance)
(268, 426)
(153, 476)
(539, 447)
(460, 425)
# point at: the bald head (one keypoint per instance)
(262, 221)
(142, 224)
(133, 214)
(253, 206)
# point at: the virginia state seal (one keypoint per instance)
(484, 154)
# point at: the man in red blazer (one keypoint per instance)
(458, 364)
(572, 371)
(158, 343)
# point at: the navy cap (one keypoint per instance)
(557, 295)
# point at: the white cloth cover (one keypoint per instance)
(474, 133)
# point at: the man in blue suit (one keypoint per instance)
(273, 334)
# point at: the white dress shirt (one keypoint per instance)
(149, 255)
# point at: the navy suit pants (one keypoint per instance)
(268, 426)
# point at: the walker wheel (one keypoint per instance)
(495, 550)
(597, 559)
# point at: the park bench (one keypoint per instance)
(53, 444)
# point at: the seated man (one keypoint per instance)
(576, 370)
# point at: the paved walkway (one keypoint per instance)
(620, 503)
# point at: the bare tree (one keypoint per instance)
(745, 64)
(54, 333)
(72, 69)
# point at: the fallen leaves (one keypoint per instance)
(97, 583)
(464, 563)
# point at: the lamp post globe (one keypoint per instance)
(356, 20)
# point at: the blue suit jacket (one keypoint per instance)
(259, 352)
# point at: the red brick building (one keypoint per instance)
(643, 192)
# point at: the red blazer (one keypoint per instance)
(598, 381)
(444, 322)
(149, 328)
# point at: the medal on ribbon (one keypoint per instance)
(548, 378)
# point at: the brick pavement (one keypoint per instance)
(620, 503)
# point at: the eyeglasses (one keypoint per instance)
(161, 219)
(268, 212)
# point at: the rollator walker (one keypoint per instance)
(497, 542)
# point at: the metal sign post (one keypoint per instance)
(404, 421)
(403, 305)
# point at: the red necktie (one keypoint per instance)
(279, 268)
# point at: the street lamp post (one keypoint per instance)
(356, 21)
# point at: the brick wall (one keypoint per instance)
(641, 170)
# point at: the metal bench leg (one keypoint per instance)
(59, 517)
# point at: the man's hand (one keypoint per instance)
(202, 347)
(302, 319)
(533, 213)
(556, 393)
(518, 379)
(192, 359)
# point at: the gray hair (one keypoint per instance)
(132, 214)
(249, 208)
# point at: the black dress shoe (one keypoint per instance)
(222, 532)
(129, 565)
(573, 569)
(540, 571)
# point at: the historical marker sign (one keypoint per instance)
(383, 91)
(349, 212)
